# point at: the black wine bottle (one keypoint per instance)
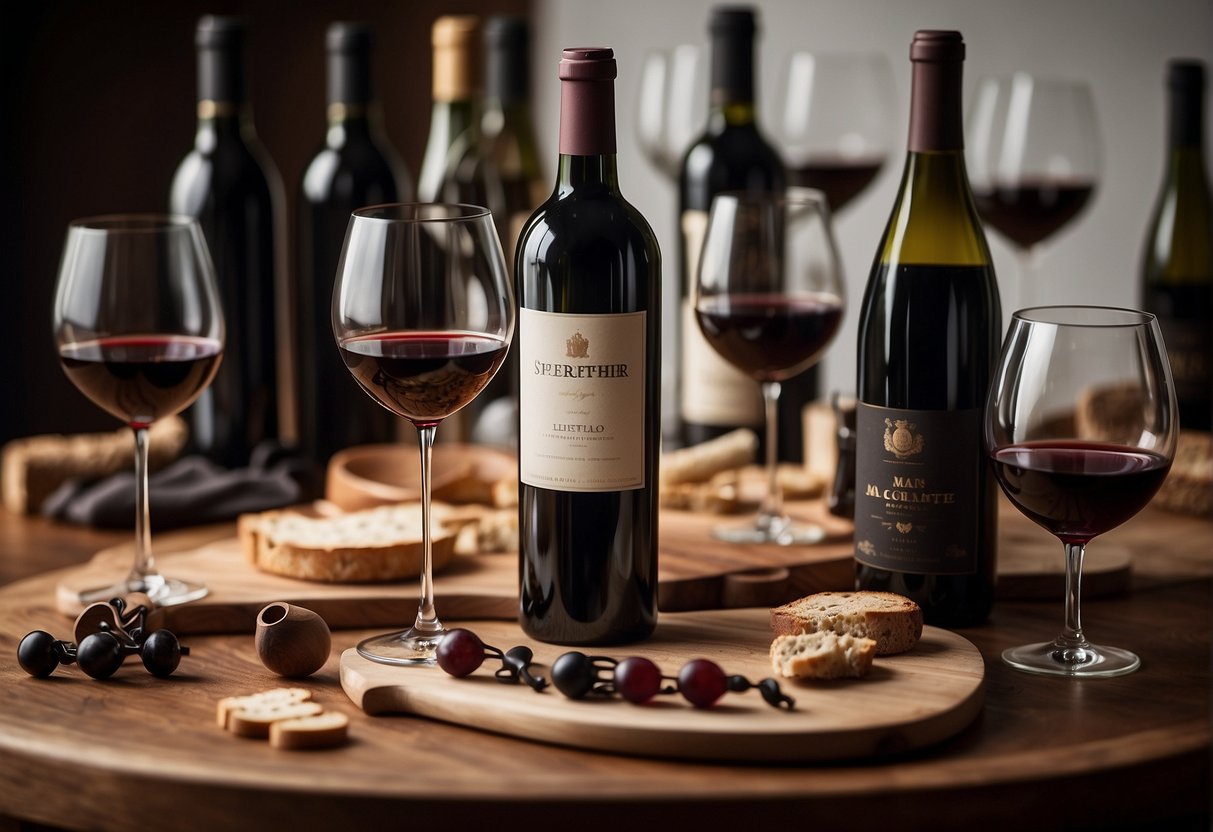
(356, 167)
(229, 183)
(589, 294)
(732, 154)
(929, 333)
(1177, 267)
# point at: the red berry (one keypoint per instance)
(702, 682)
(460, 652)
(637, 679)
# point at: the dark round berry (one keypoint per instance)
(161, 653)
(637, 679)
(702, 682)
(574, 674)
(460, 652)
(100, 655)
(36, 654)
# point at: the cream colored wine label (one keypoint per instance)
(714, 392)
(581, 400)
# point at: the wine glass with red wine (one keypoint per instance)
(423, 314)
(836, 129)
(769, 299)
(1081, 427)
(140, 332)
(1033, 159)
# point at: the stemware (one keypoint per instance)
(671, 105)
(836, 130)
(423, 314)
(769, 299)
(140, 332)
(1033, 159)
(1081, 429)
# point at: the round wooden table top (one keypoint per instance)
(137, 751)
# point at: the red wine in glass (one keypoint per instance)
(423, 376)
(841, 181)
(1032, 210)
(1078, 490)
(771, 337)
(142, 378)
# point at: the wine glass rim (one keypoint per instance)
(1084, 316)
(415, 212)
(1045, 80)
(792, 195)
(137, 223)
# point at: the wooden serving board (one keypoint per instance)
(908, 701)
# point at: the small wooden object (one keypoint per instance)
(292, 641)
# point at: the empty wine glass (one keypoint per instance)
(769, 299)
(423, 314)
(140, 332)
(1033, 159)
(837, 129)
(1081, 427)
(671, 105)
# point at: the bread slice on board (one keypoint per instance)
(822, 655)
(325, 730)
(255, 720)
(893, 621)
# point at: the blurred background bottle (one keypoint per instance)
(1177, 267)
(355, 167)
(230, 184)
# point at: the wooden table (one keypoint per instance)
(1132, 752)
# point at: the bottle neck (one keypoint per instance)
(587, 118)
(1186, 122)
(349, 78)
(732, 72)
(935, 110)
(587, 172)
(349, 122)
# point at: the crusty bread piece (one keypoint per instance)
(699, 463)
(255, 720)
(719, 495)
(895, 622)
(1189, 486)
(378, 544)
(266, 697)
(822, 655)
(325, 730)
(32, 468)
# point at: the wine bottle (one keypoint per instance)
(509, 143)
(731, 154)
(929, 334)
(356, 167)
(229, 183)
(1177, 267)
(589, 342)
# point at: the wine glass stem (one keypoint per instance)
(1029, 268)
(1071, 635)
(771, 510)
(145, 564)
(427, 618)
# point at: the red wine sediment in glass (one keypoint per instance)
(142, 378)
(423, 376)
(769, 336)
(1078, 490)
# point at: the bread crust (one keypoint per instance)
(893, 621)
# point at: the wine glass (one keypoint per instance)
(671, 105)
(423, 314)
(1033, 159)
(1081, 427)
(769, 299)
(836, 129)
(140, 331)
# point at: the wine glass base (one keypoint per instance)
(783, 532)
(1089, 661)
(406, 647)
(164, 592)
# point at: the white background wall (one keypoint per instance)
(1120, 46)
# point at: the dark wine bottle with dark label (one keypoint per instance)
(589, 326)
(356, 167)
(929, 333)
(731, 155)
(229, 183)
(1177, 265)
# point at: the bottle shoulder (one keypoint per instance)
(734, 158)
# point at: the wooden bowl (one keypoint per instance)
(371, 475)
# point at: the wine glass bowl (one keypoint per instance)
(670, 109)
(1033, 159)
(423, 314)
(835, 131)
(140, 332)
(769, 299)
(1081, 428)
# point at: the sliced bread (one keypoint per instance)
(325, 730)
(822, 655)
(893, 621)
